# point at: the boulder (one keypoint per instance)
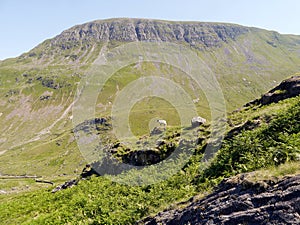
(197, 121)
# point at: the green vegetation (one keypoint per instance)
(143, 114)
(245, 67)
(101, 201)
(269, 145)
(38, 88)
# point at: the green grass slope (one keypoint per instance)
(272, 146)
(37, 89)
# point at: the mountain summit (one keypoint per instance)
(80, 40)
(128, 30)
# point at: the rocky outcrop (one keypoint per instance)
(286, 89)
(130, 30)
(90, 125)
(239, 200)
(142, 157)
(86, 173)
(248, 125)
(197, 121)
(67, 184)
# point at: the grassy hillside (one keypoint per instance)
(38, 91)
(273, 146)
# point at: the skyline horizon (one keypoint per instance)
(166, 20)
(27, 24)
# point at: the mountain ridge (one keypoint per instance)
(176, 25)
(201, 35)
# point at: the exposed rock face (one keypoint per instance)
(249, 125)
(97, 123)
(129, 30)
(142, 157)
(286, 89)
(240, 201)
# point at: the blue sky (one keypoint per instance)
(26, 23)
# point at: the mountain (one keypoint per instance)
(38, 88)
(40, 91)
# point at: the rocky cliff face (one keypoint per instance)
(240, 201)
(286, 89)
(128, 30)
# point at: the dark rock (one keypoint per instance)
(286, 89)
(50, 83)
(142, 157)
(45, 97)
(116, 145)
(109, 165)
(157, 130)
(11, 93)
(32, 54)
(160, 142)
(100, 120)
(65, 185)
(238, 200)
(197, 121)
(89, 125)
(87, 172)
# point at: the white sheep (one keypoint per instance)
(162, 123)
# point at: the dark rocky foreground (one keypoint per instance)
(238, 200)
(286, 89)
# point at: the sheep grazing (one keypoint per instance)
(197, 121)
(162, 123)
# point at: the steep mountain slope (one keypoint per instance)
(258, 136)
(256, 197)
(38, 88)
